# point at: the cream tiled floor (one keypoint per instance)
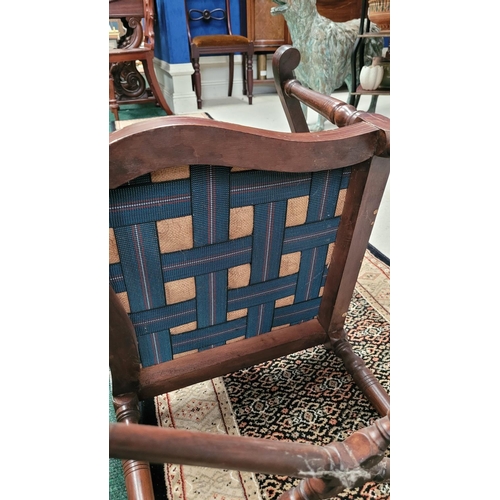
(266, 112)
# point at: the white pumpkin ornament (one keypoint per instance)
(370, 77)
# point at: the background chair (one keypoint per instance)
(220, 260)
(126, 83)
(210, 33)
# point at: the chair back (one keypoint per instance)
(208, 17)
(138, 19)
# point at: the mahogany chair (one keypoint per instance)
(210, 33)
(126, 83)
(222, 258)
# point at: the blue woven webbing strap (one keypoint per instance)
(202, 255)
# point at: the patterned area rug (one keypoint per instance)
(304, 397)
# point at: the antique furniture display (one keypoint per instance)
(126, 83)
(210, 33)
(365, 34)
(230, 246)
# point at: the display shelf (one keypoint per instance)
(375, 35)
(358, 53)
(380, 91)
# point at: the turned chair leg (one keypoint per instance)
(249, 65)
(197, 81)
(113, 104)
(244, 71)
(359, 457)
(362, 376)
(231, 73)
(137, 473)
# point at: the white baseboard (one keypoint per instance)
(175, 81)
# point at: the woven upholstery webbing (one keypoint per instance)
(204, 255)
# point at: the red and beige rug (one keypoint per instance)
(305, 397)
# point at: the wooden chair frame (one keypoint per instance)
(361, 142)
(126, 84)
(220, 44)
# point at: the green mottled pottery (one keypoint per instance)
(379, 12)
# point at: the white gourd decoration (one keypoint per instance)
(371, 76)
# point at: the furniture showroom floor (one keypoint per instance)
(266, 112)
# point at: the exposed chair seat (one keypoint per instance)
(230, 246)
